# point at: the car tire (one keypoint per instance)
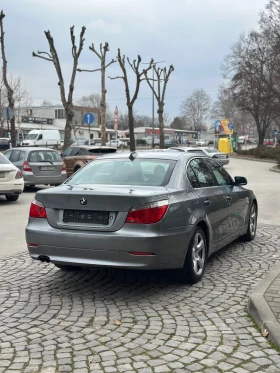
(65, 267)
(252, 224)
(195, 260)
(12, 197)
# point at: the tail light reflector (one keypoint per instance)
(26, 166)
(18, 174)
(37, 210)
(150, 213)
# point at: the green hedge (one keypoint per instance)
(262, 152)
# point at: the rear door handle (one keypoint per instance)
(228, 198)
(207, 202)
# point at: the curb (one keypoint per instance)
(253, 159)
(260, 310)
(274, 169)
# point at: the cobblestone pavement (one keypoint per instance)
(272, 296)
(52, 321)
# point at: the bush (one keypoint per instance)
(262, 152)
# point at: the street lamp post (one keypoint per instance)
(153, 99)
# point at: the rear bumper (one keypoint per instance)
(109, 249)
(31, 179)
(11, 188)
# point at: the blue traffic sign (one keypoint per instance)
(231, 126)
(88, 118)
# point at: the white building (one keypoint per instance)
(53, 117)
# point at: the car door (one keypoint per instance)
(212, 196)
(237, 199)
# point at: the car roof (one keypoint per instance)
(152, 154)
(32, 148)
(91, 147)
(187, 149)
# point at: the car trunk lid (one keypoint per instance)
(95, 207)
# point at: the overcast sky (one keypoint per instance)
(193, 35)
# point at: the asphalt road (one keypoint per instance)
(265, 184)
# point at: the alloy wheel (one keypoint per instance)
(198, 253)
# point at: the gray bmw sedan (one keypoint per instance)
(142, 210)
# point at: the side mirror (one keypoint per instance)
(240, 180)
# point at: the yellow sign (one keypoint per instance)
(221, 127)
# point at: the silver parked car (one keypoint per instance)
(38, 165)
(220, 157)
(146, 210)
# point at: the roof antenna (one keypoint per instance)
(133, 155)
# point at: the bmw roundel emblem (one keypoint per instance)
(83, 201)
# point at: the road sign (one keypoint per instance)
(231, 126)
(116, 118)
(7, 113)
(88, 118)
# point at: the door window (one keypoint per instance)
(8, 154)
(219, 172)
(202, 173)
(15, 156)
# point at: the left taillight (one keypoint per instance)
(149, 213)
(37, 210)
(18, 174)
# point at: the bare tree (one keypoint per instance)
(21, 96)
(162, 75)
(196, 108)
(52, 56)
(130, 99)
(102, 56)
(10, 92)
(46, 103)
(92, 101)
(253, 81)
(225, 108)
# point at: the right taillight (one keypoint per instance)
(26, 166)
(63, 167)
(37, 210)
(149, 213)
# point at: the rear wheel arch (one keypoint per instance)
(203, 225)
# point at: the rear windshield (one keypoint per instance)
(3, 159)
(211, 150)
(142, 172)
(4, 141)
(44, 156)
(101, 150)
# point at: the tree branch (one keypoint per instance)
(88, 71)
(116, 77)
(43, 58)
(110, 63)
(92, 48)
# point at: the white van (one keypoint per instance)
(47, 138)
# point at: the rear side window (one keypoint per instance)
(202, 173)
(67, 152)
(4, 160)
(16, 156)
(101, 151)
(44, 156)
(219, 172)
(142, 172)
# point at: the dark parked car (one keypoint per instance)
(5, 143)
(76, 157)
(38, 165)
(146, 210)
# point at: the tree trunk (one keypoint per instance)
(131, 128)
(68, 127)
(161, 126)
(261, 138)
(13, 132)
(103, 104)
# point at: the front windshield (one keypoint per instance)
(142, 172)
(31, 136)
